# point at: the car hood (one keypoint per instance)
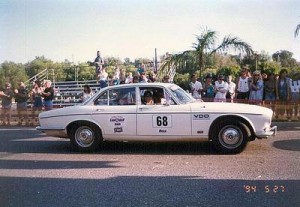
(235, 108)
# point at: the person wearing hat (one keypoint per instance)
(256, 88)
(6, 97)
(208, 89)
(148, 98)
(221, 88)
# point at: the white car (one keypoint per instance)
(156, 112)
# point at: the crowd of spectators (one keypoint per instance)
(40, 96)
(281, 92)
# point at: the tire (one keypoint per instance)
(85, 137)
(230, 137)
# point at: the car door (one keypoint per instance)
(161, 119)
(115, 111)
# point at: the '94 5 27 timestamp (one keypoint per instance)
(265, 188)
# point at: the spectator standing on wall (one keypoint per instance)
(129, 78)
(141, 69)
(98, 63)
(195, 87)
(48, 95)
(21, 97)
(122, 76)
(103, 75)
(256, 88)
(6, 96)
(221, 88)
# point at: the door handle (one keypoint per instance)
(144, 108)
(99, 110)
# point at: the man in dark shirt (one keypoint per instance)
(21, 96)
(48, 95)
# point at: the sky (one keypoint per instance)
(76, 29)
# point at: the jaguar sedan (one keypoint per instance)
(156, 112)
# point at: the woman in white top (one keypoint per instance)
(221, 88)
(243, 86)
(87, 93)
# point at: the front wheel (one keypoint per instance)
(85, 138)
(230, 137)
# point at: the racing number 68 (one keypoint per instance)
(162, 121)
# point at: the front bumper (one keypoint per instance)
(62, 133)
(267, 132)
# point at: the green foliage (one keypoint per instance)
(12, 73)
(182, 80)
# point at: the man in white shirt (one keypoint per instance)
(221, 88)
(195, 87)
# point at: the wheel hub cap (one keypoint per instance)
(231, 136)
(84, 137)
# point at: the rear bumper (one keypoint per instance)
(267, 132)
(62, 133)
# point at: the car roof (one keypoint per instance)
(139, 85)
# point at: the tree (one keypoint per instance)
(285, 58)
(12, 73)
(205, 47)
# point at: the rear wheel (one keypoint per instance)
(230, 137)
(85, 137)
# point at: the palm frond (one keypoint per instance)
(297, 30)
(233, 43)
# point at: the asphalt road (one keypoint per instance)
(36, 170)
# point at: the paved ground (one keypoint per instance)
(36, 170)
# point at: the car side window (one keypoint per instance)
(122, 96)
(118, 96)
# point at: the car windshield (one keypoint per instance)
(182, 96)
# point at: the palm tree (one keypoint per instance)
(297, 30)
(205, 47)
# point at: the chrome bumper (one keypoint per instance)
(268, 132)
(62, 133)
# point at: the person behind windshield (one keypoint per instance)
(148, 98)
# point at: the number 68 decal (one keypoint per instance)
(162, 121)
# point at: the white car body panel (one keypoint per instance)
(191, 121)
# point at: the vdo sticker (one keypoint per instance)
(201, 117)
